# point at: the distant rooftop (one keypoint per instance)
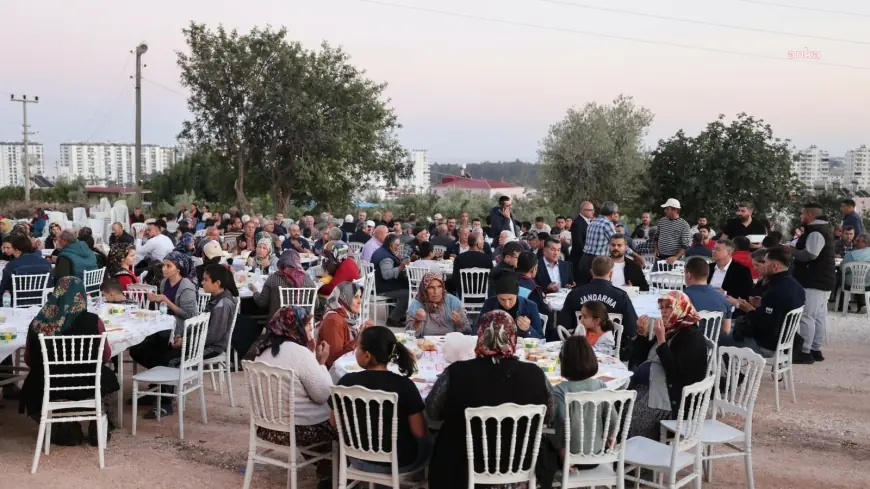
(113, 190)
(452, 181)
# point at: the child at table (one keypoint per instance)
(378, 347)
(599, 327)
(113, 292)
(579, 366)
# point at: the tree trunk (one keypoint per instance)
(280, 197)
(239, 186)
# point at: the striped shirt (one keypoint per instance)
(674, 235)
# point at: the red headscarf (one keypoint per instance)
(683, 313)
(496, 336)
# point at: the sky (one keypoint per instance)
(470, 80)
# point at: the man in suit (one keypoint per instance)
(553, 272)
(578, 234)
(625, 272)
(473, 258)
(728, 275)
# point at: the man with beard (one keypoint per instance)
(625, 272)
(743, 224)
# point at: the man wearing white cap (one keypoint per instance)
(675, 234)
(363, 233)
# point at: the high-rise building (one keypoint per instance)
(811, 166)
(112, 163)
(419, 179)
(12, 162)
(857, 168)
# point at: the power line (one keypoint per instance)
(101, 111)
(702, 22)
(609, 36)
(810, 9)
(160, 85)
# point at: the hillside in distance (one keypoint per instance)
(518, 172)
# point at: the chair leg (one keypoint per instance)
(747, 458)
(101, 440)
(220, 377)
(121, 390)
(791, 384)
(211, 375)
(136, 406)
(202, 402)
(709, 463)
(230, 387)
(181, 396)
(47, 447)
(249, 468)
(776, 386)
(39, 441)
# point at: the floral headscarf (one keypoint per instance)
(496, 336)
(288, 324)
(336, 251)
(117, 253)
(63, 306)
(290, 267)
(341, 297)
(184, 263)
(184, 243)
(423, 295)
(267, 261)
(684, 314)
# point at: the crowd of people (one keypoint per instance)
(746, 269)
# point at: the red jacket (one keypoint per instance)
(347, 271)
(745, 258)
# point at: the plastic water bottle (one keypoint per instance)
(7, 299)
(163, 308)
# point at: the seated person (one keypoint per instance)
(391, 279)
(507, 265)
(728, 275)
(774, 238)
(760, 327)
(599, 328)
(554, 273)
(742, 254)
(625, 272)
(523, 311)
(263, 259)
(435, 312)
(113, 292)
(860, 252)
(703, 296)
(473, 258)
(527, 268)
(337, 268)
(426, 257)
(698, 247)
(579, 367)
(674, 358)
(25, 261)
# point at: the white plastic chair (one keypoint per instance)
(357, 412)
(649, 260)
(27, 290)
(611, 407)
(415, 276)
(356, 248)
(741, 369)
(273, 407)
(683, 451)
(544, 320)
(439, 250)
(81, 357)
(367, 297)
(220, 364)
(676, 267)
(711, 324)
(186, 378)
(139, 297)
(858, 271)
(474, 283)
(667, 280)
(618, 328)
(202, 299)
(781, 364)
(480, 434)
(93, 279)
(301, 297)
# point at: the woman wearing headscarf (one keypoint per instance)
(435, 312)
(290, 274)
(262, 258)
(337, 268)
(5, 227)
(675, 357)
(65, 314)
(289, 344)
(122, 259)
(339, 327)
(186, 244)
(488, 380)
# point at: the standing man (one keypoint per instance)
(850, 217)
(743, 224)
(674, 236)
(702, 223)
(814, 270)
(501, 218)
(598, 236)
(578, 235)
(642, 229)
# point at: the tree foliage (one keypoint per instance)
(595, 153)
(304, 125)
(201, 173)
(723, 165)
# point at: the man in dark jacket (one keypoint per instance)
(760, 328)
(728, 275)
(527, 269)
(553, 272)
(625, 272)
(26, 262)
(578, 234)
(75, 257)
(500, 218)
(524, 311)
(600, 289)
(474, 257)
(507, 265)
(363, 232)
(119, 236)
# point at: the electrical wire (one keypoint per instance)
(702, 22)
(160, 85)
(101, 111)
(809, 9)
(609, 36)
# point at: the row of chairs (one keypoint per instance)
(32, 290)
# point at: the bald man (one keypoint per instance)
(578, 234)
(376, 242)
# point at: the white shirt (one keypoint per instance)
(618, 278)
(719, 275)
(369, 248)
(156, 248)
(553, 272)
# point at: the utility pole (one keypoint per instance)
(141, 49)
(25, 161)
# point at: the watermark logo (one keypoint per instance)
(806, 53)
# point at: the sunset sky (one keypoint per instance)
(467, 89)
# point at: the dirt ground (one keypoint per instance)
(823, 441)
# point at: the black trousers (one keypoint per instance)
(549, 462)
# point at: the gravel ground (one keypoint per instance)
(823, 441)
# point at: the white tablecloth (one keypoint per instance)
(430, 364)
(124, 330)
(645, 303)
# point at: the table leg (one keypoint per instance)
(121, 391)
